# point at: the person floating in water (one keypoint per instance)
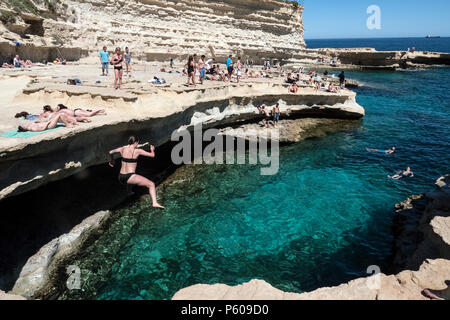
(390, 151)
(402, 174)
(128, 175)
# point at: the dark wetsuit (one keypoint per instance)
(123, 178)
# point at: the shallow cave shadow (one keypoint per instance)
(33, 219)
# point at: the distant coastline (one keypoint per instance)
(384, 44)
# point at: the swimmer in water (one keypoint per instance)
(128, 176)
(390, 151)
(403, 174)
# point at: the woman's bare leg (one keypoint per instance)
(83, 119)
(120, 79)
(116, 74)
(60, 118)
(83, 113)
(144, 182)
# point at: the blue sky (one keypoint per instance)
(399, 18)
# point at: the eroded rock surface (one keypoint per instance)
(35, 274)
(162, 29)
(407, 285)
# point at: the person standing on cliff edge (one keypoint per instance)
(128, 176)
(104, 60)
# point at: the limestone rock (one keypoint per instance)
(407, 285)
(34, 275)
(7, 296)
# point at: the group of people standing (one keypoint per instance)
(201, 66)
(270, 117)
(118, 60)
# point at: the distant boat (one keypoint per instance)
(432, 37)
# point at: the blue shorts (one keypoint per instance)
(276, 117)
(202, 72)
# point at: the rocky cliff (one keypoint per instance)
(156, 29)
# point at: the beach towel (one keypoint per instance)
(23, 135)
(157, 80)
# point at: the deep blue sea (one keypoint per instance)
(387, 44)
(321, 221)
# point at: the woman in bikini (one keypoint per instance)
(128, 175)
(117, 62)
(42, 126)
(191, 71)
(79, 113)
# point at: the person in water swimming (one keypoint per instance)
(390, 151)
(128, 175)
(402, 174)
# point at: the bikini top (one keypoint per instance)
(127, 160)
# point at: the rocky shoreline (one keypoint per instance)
(421, 229)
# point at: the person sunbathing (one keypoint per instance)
(27, 116)
(79, 113)
(168, 70)
(6, 65)
(42, 126)
(48, 112)
(333, 89)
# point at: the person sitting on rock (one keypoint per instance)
(333, 89)
(267, 118)
(16, 62)
(293, 88)
(291, 79)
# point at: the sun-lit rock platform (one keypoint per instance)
(149, 111)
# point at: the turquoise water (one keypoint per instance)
(322, 220)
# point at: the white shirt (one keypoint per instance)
(208, 64)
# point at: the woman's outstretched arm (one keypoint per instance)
(150, 154)
(111, 155)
